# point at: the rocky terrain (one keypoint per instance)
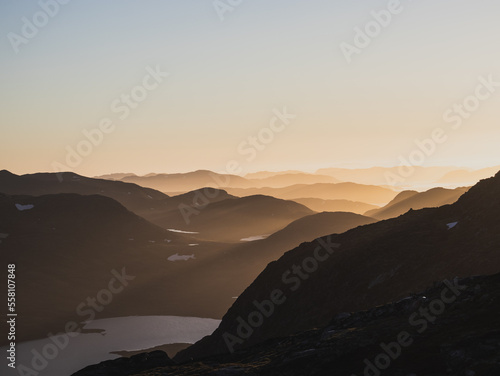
(452, 328)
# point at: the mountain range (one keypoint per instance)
(225, 253)
(212, 213)
(366, 266)
(71, 236)
(413, 200)
(370, 194)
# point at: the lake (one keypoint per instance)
(121, 333)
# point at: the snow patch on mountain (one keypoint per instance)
(182, 231)
(254, 238)
(21, 207)
(178, 257)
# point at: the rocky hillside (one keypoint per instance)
(365, 267)
(66, 246)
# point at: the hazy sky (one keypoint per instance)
(229, 72)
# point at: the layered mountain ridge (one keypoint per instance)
(389, 260)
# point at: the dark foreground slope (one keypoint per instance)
(238, 265)
(365, 267)
(460, 337)
(66, 247)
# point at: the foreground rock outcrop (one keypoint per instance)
(128, 366)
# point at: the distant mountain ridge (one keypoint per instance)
(378, 175)
(184, 182)
(467, 177)
(320, 205)
(412, 200)
(188, 181)
(284, 180)
(370, 194)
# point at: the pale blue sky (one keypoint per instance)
(227, 77)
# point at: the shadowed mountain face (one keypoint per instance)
(68, 244)
(316, 225)
(146, 202)
(320, 205)
(215, 214)
(258, 254)
(200, 197)
(234, 219)
(365, 267)
(65, 247)
(42, 213)
(463, 339)
(341, 191)
(132, 196)
(411, 200)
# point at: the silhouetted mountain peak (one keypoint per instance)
(6, 173)
(483, 195)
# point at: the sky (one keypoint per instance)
(240, 86)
